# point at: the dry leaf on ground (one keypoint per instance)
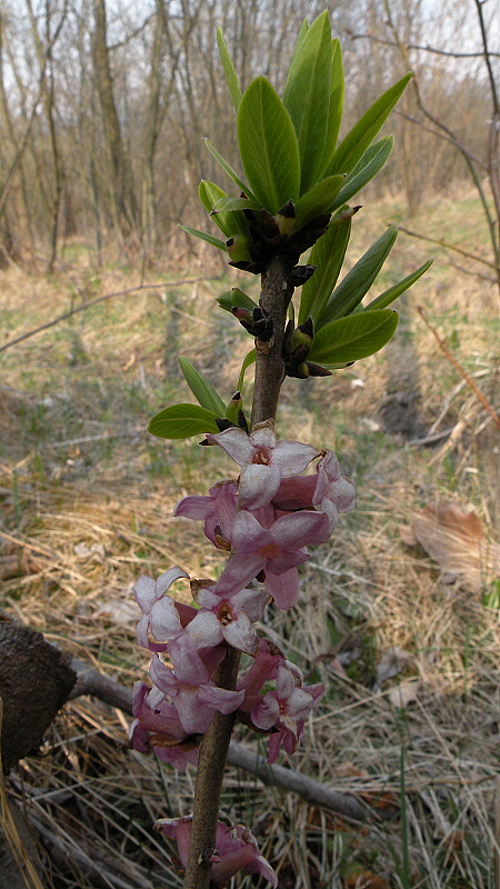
(457, 541)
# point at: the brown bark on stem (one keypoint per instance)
(211, 761)
(269, 374)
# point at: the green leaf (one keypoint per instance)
(229, 72)
(215, 242)
(250, 358)
(230, 172)
(358, 281)
(354, 145)
(307, 96)
(370, 164)
(268, 146)
(388, 296)
(183, 421)
(235, 298)
(352, 338)
(202, 390)
(319, 199)
(336, 106)
(222, 208)
(230, 204)
(327, 255)
(209, 193)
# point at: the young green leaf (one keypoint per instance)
(229, 72)
(229, 204)
(372, 161)
(354, 145)
(249, 359)
(327, 256)
(202, 390)
(223, 207)
(358, 281)
(230, 172)
(203, 236)
(321, 198)
(349, 339)
(307, 97)
(336, 106)
(235, 298)
(209, 193)
(183, 421)
(388, 296)
(268, 146)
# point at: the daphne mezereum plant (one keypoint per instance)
(209, 665)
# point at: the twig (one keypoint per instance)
(470, 382)
(101, 299)
(442, 243)
(422, 47)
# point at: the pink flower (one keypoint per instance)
(236, 849)
(157, 727)
(276, 550)
(264, 461)
(285, 710)
(158, 613)
(329, 490)
(217, 511)
(188, 684)
(228, 619)
(263, 669)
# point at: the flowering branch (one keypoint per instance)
(298, 183)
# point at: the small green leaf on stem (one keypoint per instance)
(229, 72)
(183, 421)
(352, 338)
(268, 146)
(358, 281)
(201, 388)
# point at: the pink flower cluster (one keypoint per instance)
(236, 850)
(265, 520)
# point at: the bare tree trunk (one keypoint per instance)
(125, 206)
(44, 48)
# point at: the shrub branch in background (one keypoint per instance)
(210, 665)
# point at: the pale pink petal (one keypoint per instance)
(258, 484)
(267, 711)
(194, 507)
(145, 592)
(234, 442)
(252, 602)
(264, 437)
(194, 717)
(205, 629)
(300, 529)
(284, 588)
(221, 699)
(188, 667)
(239, 571)
(241, 634)
(248, 535)
(167, 579)
(292, 457)
(165, 622)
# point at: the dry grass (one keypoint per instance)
(86, 504)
